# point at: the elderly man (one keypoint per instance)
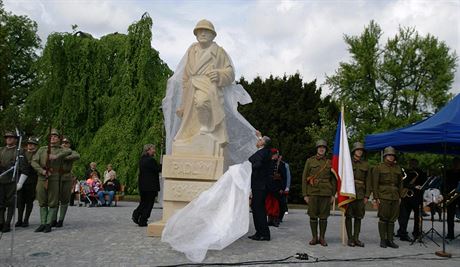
(318, 188)
(387, 179)
(208, 69)
(92, 168)
(149, 185)
(262, 171)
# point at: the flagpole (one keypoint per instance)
(343, 228)
(342, 109)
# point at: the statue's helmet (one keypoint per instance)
(204, 24)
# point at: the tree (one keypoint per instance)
(281, 109)
(19, 44)
(385, 87)
(104, 94)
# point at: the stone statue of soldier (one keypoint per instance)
(208, 69)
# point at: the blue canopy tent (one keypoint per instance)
(438, 134)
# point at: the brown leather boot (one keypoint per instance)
(313, 241)
(323, 242)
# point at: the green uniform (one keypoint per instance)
(319, 184)
(7, 185)
(66, 185)
(356, 208)
(49, 198)
(387, 182)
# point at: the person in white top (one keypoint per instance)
(109, 172)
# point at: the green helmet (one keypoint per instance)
(389, 150)
(55, 132)
(32, 140)
(357, 145)
(10, 134)
(321, 142)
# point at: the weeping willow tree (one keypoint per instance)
(104, 94)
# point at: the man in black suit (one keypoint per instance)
(149, 185)
(262, 170)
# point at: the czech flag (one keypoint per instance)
(342, 167)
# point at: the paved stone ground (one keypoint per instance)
(107, 237)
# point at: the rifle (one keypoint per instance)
(47, 164)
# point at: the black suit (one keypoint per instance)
(149, 185)
(262, 171)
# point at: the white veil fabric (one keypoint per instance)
(241, 133)
(220, 215)
(216, 218)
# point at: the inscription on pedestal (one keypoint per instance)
(197, 168)
(184, 190)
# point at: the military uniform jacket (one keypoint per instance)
(28, 169)
(39, 161)
(67, 165)
(387, 181)
(324, 183)
(363, 180)
(7, 160)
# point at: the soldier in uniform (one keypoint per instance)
(65, 186)
(355, 209)
(7, 183)
(387, 181)
(48, 165)
(26, 189)
(318, 188)
(411, 200)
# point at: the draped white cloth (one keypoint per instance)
(220, 215)
(214, 220)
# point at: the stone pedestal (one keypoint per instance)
(192, 168)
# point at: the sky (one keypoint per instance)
(264, 37)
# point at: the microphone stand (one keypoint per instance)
(421, 233)
(15, 179)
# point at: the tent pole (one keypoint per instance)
(443, 253)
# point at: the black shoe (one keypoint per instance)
(254, 236)
(359, 243)
(450, 237)
(25, 224)
(261, 238)
(40, 228)
(383, 243)
(350, 243)
(47, 228)
(406, 238)
(142, 224)
(391, 244)
(135, 219)
(6, 228)
(59, 223)
(18, 224)
(53, 223)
